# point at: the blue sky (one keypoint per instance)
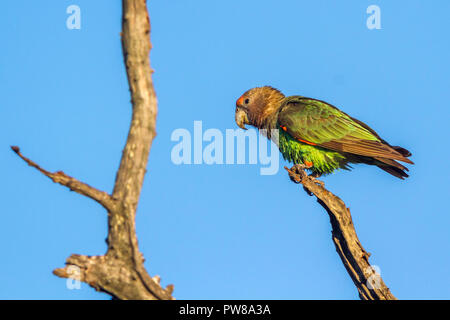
(224, 231)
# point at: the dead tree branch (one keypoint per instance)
(120, 272)
(369, 283)
(73, 184)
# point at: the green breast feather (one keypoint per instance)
(324, 161)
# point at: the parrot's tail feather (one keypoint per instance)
(402, 151)
(392, 167)
(396, 172)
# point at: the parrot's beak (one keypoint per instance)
(241, 118)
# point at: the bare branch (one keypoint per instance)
(73, 184)
(130, 176)
(120, 272)
(136, 49)
(370, 285)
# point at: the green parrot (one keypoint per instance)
(316, 135)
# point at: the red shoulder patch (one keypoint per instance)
(307, 142)
(304, 141)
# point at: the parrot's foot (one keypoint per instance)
(314, 177)
(300, 167)
(297, 174)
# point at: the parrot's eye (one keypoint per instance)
(246, 101)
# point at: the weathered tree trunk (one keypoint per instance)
(120, 272)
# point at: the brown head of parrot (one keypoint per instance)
(256, 105)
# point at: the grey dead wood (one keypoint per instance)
(120, 271)
(369, 283)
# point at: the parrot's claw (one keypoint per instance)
(299, 167)
(313, 176)
(316, 181)
(299, 170)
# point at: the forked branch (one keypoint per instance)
(120, 272)
(73, 184)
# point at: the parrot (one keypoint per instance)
(316, 135)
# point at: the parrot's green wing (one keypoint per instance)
(318, 123)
